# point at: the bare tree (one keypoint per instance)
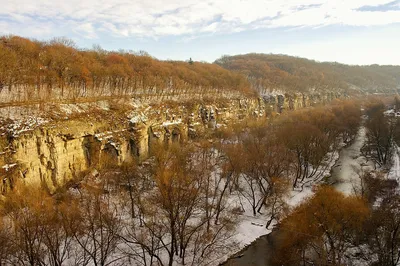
(59, 226)
(276, 203)
(6, 248)
(27, 210)
(380, 135)
(100, 226)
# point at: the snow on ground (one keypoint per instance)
(394, 172)
(169, 123)
(8, 166)
(137, 117)
(252, 227)
(69, 109)
(20, 112)
(350, 165)
(392, 112)
(347, 164)
(346, 170)
(273, 93)
(16, 127)
(296, 197)
(249, 228)
(108, 134)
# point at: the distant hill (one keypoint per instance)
(288, 73)
(35, 71)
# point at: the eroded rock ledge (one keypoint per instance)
(46, 144)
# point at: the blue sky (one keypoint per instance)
(348, 31)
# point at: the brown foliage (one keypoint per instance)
(380, 134)
(269, 71)
(321, 229)
(57, 69)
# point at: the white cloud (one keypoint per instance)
(143, 18)
(362, 49)
(86, 30)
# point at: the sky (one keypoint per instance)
(346, 31)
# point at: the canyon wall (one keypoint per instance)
(46, 147)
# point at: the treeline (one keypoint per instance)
(32, 70)
(363, 229)
(57, 69)
(180, 206)
(269, 71)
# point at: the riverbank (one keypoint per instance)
(344, 177)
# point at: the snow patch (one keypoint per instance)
(9, 166)
(16, 127)
(137, 117)
(169, 123)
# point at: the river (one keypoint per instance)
(344, 177)
(345, 174)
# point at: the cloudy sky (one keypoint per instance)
(348, 31)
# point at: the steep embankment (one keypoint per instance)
(53, 143)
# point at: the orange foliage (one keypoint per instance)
(321, 229)
(269, 71)
(33, 65)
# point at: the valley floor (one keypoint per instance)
(345, 176)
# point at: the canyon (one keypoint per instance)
(50, 144)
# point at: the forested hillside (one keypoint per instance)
(57, 69)
(287, 73)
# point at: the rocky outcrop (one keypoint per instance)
(58, 150)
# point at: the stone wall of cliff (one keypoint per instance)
(58, 146)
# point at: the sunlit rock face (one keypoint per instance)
(49, 148)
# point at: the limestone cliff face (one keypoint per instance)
(57, 151)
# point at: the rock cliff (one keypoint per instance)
(51, 144)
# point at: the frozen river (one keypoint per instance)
(345, 176)
(346, 172)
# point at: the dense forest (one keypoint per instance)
(31, 69)
(287, 73)
(57, 69)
